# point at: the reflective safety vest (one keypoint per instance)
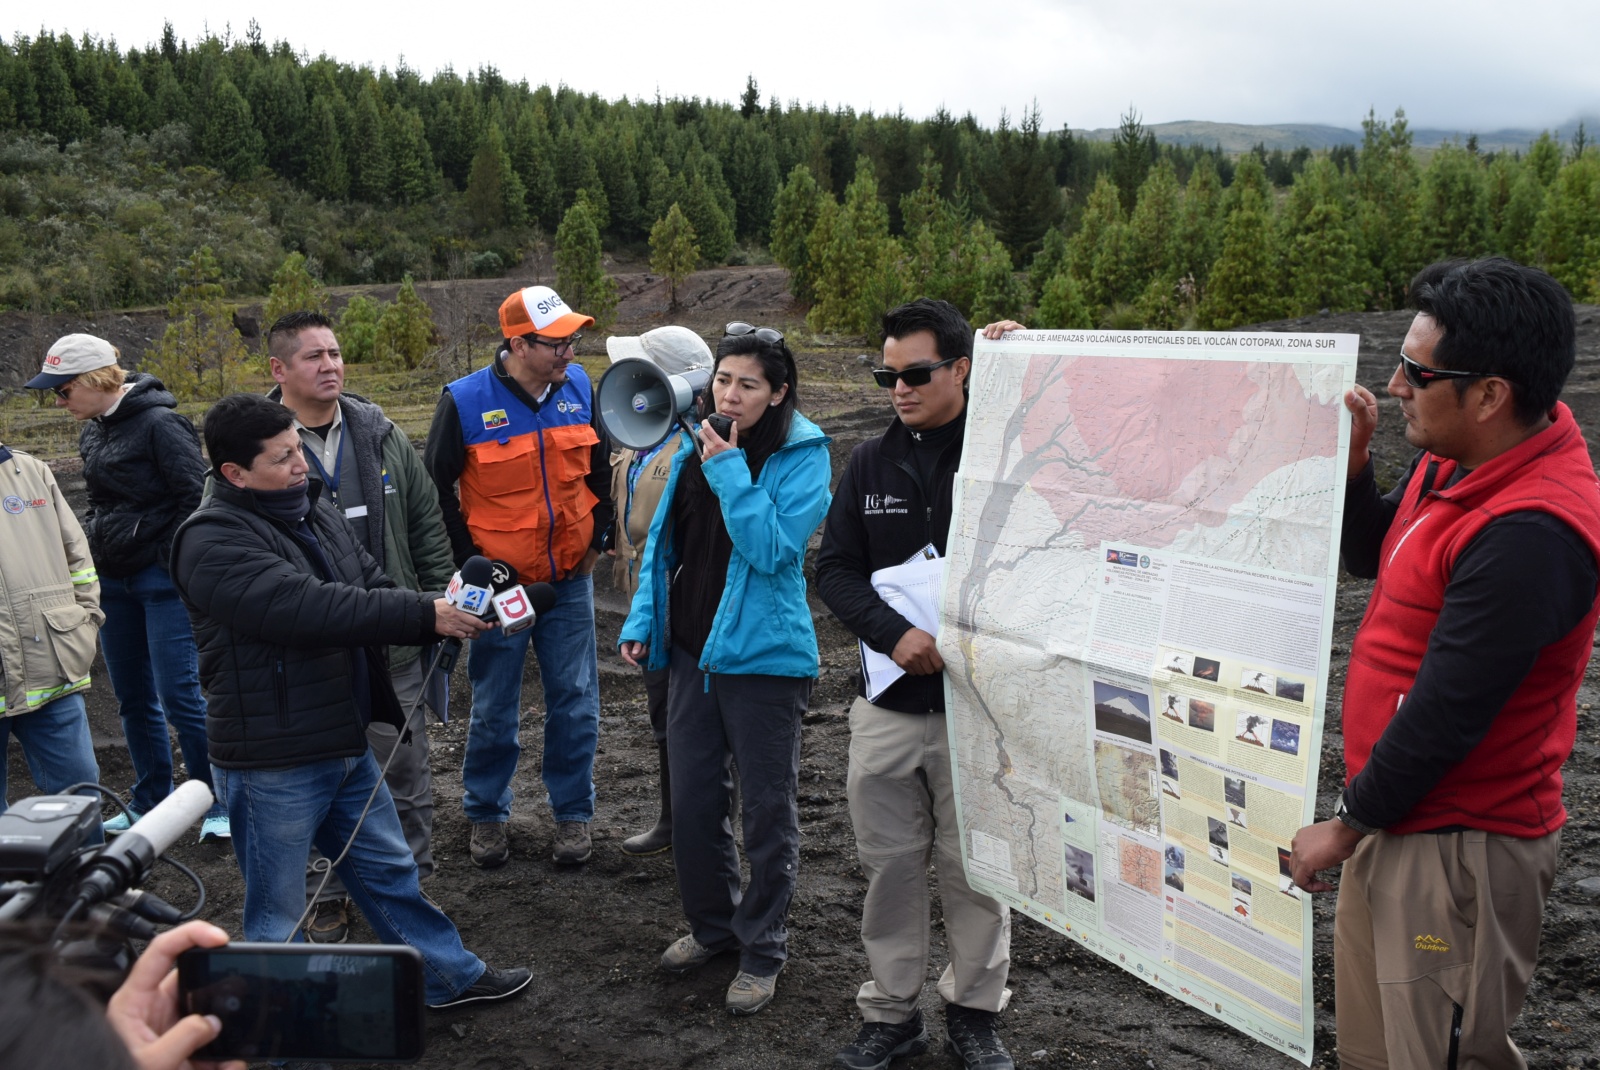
(523, 488)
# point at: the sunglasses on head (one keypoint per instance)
(1420, 375)
(739, 328)
(921, 375)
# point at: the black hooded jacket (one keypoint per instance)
(277, 641)
(144, 472)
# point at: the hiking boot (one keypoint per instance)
(489, 847)
(750, 993)
(330, 922)
(685, 954)
(572, 843)
(971, 1036)
(493, 986)
(659, 838)
(879, 1043)
(215, 829)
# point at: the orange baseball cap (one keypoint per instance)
(539, 310)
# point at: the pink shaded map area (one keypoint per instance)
(1178, 442)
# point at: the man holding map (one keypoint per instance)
(892, 508)
(1460, 700)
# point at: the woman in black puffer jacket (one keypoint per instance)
(142, 464)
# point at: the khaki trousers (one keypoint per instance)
(1434, 945)
(903, 807)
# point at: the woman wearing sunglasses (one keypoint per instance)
(145, 475)
(722, 602)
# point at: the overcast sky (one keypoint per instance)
(1465, 64)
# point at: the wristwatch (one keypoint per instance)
(1342, 813)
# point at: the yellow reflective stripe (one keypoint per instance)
(85, 575)
(40, 696)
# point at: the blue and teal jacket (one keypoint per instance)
(762, 624)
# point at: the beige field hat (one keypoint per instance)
(70, 357)
(674, 350)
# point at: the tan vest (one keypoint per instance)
(634, 516)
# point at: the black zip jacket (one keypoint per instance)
(881, 515)
(144, 473)
(277, 641)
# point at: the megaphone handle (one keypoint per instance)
(683, 422)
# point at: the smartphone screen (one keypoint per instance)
(353, 1003)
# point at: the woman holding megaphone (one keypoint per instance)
(722, 602)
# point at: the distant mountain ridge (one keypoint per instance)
(1241, 137)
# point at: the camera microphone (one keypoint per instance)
(470, 590)
(126, 863)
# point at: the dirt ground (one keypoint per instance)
(593, 934)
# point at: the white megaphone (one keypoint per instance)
(640, 404)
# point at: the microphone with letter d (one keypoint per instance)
(516, 607)
(470, 590)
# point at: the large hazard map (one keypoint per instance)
(1136, 619)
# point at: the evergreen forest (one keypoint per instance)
(120, 168)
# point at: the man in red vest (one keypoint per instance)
(524, 477)
(1460, 699)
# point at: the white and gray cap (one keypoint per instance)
(69, 357)
(674, 350)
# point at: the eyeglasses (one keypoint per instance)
(558, 344)
(739, 328)
(64, 390)
(921, 375)
(1420, 375)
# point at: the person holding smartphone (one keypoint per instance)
(722, 604)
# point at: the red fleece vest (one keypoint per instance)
(1511, 782)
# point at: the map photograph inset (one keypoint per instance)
(1121, 712)
(1127, 780)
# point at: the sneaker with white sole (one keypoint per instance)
(493, 986)
(750, 993)
(215, 829)
(116, 826)
(685, 954)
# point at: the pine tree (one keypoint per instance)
(366, 154)
(278, 106)
(326, 173)
(1244, 280)
(200, 354)
(1131, 160)
(532, 155)
(60, 114)
(857, 266)
(405, 334)
(293, 290)
(712, 226)
(1061, 305)
(1322, 256)
(358, 329)
(228, 138)
(1386, 206)
(673, 251)
(411, 170)
(1514, 238)
(1566, 237)
(794, 217)
(1153, 228)
(1454, 205)
(753, 180)
(581, 277)
(495, 195)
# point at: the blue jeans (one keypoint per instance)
(150, 653)
(563, 639)
(55, 741)
(277, 814)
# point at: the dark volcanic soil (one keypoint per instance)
(593, 934)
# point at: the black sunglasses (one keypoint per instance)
(921, 375)
(1420, 375)
(739, 328)
(64, 390)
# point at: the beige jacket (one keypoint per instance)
(635, 511)
(49, 592)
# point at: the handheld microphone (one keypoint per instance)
(127, 862)
(518, 607)
(470, 589)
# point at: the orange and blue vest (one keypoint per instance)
(1510, 783)
(523, 489)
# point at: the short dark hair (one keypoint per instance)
(1501, 318)
(952, 334)
(238, 426)
(289, 325)
(49, 1013)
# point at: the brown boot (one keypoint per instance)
(659, 838)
